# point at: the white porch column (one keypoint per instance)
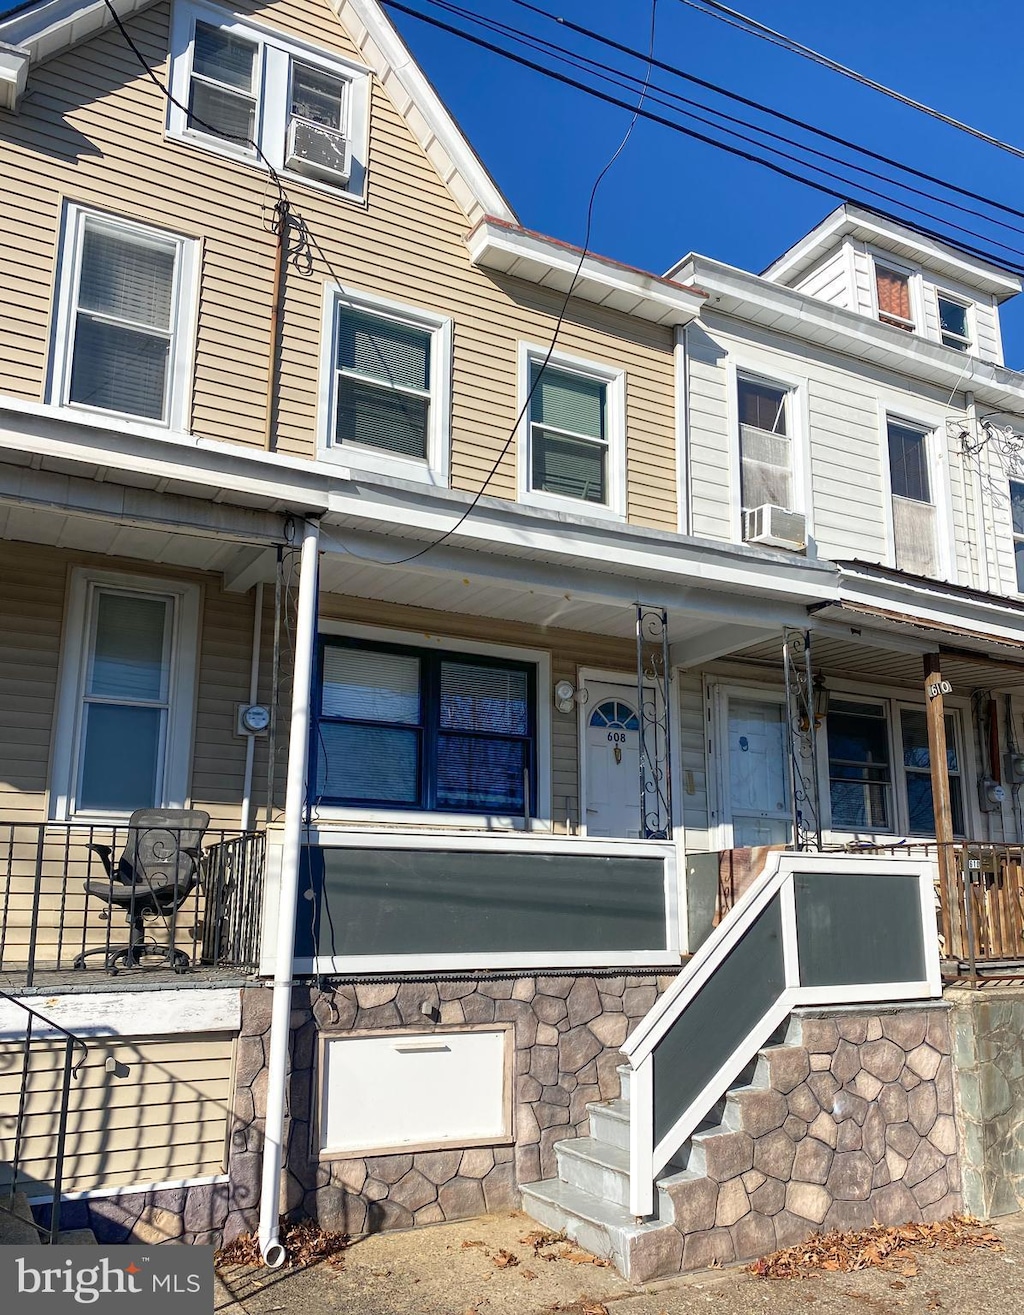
(294, 806)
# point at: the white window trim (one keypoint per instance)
(614, 381)
(184, 307)
(276, 50)
(895, 701)
(933, 428)
(326, 813)
(971, 340)
(1015, 538)
(435, 469)
(798, 420)
(83, 586)
(913, 275)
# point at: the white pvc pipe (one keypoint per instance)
(254, 692)
(294, 803)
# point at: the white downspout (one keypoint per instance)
(294, 804)
(254, 690)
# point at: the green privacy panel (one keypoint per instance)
(416, 902)
(854, 929)
(746, 984)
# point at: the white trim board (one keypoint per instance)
(129, 1189)
(126, 1013)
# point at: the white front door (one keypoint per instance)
(757, 771)
(611, 777)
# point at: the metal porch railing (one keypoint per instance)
(48, 917)
(14, 1126)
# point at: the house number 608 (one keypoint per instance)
(938, 687)
(617, 737)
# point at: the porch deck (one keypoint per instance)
(52, 910)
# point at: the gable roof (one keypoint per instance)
(882, 231)
(41, 29)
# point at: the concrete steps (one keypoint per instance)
(589, 1198)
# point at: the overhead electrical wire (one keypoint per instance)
(841, 195)
(733, 17)
(627, 80)
(610, 44)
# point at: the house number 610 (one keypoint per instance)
(938, 687)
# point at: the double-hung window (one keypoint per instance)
(386, 386)
(1017, 521)
(424, 729)
(123, 325)
(893, 291)
(766, 447)
(254, 94)
(876, 786)
(954, 323)
(572, 455)
(913, 506)
(126, 700)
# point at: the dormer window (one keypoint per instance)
(954, 325)
(894, 303)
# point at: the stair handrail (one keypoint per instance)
(776, 880)
(72, 1042)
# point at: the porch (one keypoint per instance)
(56, 906)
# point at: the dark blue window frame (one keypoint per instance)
(429, 729)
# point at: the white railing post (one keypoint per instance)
(641, 1139)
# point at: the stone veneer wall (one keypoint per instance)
(988, 1047)
(568, 1028)
(848, 1124)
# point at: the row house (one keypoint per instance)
(439, 664)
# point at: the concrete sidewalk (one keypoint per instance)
(489, 1267)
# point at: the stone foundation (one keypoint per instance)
(988, 1046)
(174, 1214)
(567, 1028)
(850, 1123)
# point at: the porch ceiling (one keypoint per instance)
(845, 659)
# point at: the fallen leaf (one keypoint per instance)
(909, 1268)
(897, 1286)
(505, 1259)
(528, 1273)
(467, 1245)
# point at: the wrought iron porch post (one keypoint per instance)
(652, 678)
(804, 795)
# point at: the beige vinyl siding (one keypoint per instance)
(710, 474)
(33, 584)
(693, 785)
(91, 131)
(165, 1120)
(569, 651)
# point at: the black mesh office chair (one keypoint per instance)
(155, 874)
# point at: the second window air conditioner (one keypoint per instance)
(318, 151)
(775, 527)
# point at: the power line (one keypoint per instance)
(733, 18)
(627, 80)
(735, 96)
(675, 126)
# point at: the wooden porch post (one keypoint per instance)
(942, 803)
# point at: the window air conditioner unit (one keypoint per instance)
(775, 527)
(318, 151)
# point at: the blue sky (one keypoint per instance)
(668, 194)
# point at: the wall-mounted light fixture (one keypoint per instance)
(566, 695)
(819, 700)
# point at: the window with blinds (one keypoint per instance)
(568, 434)
(123, 318)
(892, 287)
(766, 450)
(222, 87)
(1017, 520)
(382, 383)
(125, 701)
(414, 728)
(913, 511)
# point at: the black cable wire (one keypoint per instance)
(802, 124)
(626, 80)
(834, 193)
(733, 18)
(637, 110)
